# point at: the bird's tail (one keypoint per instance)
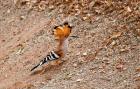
(40, 63)
(52, 56)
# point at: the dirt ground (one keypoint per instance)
(106, 54)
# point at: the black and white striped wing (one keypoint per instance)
(52, 56)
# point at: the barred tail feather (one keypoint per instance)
(52, 56)
(41, 63)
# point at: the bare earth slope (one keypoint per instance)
(106, 54)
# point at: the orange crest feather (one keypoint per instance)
(62, 32)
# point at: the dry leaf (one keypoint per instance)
(20, 48)
(116, 35)
(20, 51)
(138, 69)
(119, 66)
(113, 43)
(128, 9)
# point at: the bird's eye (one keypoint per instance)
(69, 26)
(56, 27)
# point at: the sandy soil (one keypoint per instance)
(106, 54)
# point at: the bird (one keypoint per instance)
(61, 34)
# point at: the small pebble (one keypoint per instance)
(85, 53)
(128, 9)
(51, 7)
(84, 18)
(8, 11)
(113, 43)
(75, 65)
(79, 80)
(22, 17)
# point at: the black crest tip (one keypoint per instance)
(56, 27)
(66, 23)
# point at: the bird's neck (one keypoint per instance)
(63, 46)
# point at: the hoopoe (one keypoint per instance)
(61, 34)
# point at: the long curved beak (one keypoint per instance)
(74, 36)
